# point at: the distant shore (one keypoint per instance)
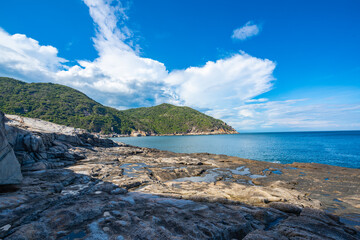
(137, 134)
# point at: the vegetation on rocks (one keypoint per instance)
(67, 106)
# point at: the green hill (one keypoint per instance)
(167, 118)
(64, 105)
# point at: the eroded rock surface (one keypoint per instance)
(10, 172)
(79, 186)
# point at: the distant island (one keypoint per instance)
(64, 105)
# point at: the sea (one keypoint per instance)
(339, 148)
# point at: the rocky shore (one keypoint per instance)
(74, 185)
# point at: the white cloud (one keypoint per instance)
(247, 113)
(119, 69)
(224, 83)
(257, 100)
(248, 30)
(22, 55)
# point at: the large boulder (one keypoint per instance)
(10, 172)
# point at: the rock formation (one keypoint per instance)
(10, 172)
(79, 186)
(40, 145)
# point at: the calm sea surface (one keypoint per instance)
(340, 148)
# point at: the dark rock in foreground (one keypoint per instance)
(78, 186)
(10, 172)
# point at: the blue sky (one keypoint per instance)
(258, 65)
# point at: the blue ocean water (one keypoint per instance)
(339, 148)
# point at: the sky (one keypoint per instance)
(261, 66)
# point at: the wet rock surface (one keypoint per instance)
(78, 186)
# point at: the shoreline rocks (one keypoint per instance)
(79, 186)
(40, 145)
(10, 172)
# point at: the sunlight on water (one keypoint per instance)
(334, 148)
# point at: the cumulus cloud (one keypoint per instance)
(224, 83)
(20, 55)
(119, 69)
(248, 30)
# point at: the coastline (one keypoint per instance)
(143, 134)
(41, 125)
(110, 189)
